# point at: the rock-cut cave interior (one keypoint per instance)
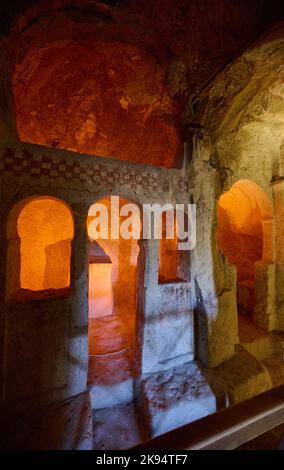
(109, 342)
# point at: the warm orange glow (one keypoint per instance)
(45, 229)
(113, 106)
(174, 264)
(168, 255)
(245, 231)
(112, 288)
(100, 290)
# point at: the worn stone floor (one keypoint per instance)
(110, 350)
(123, 427)
(119, 427)
(111, 361)
(168, 399)
(108, 334)
(268, 348)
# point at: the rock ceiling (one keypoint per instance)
(120, 78)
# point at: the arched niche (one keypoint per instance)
(245, 235)
(39, 231)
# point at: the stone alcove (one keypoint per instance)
(245, 235)
(39, 231)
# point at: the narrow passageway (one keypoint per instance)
(112, 301)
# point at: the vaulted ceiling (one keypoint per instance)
(121, 78)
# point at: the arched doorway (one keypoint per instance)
(112, 300)
(245, 232)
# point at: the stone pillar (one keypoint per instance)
(150, 316)
(278, 195)
(265, 311)
(216, 316)
(78, 340)
(268, 240)
(264, 314)
(214, 279)
(167, 320)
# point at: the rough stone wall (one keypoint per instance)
(214, 278)
(45, 349)
(238, 122)
(121, 78)
(66, 426)
(183, 70)
(240, 127)
(28, 170)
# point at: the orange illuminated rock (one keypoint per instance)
(40, 235)
(168, 254)
(112, 289)
(245, 233)
(121, 80)
(100, 290)
(110, 100)
(174, 264)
